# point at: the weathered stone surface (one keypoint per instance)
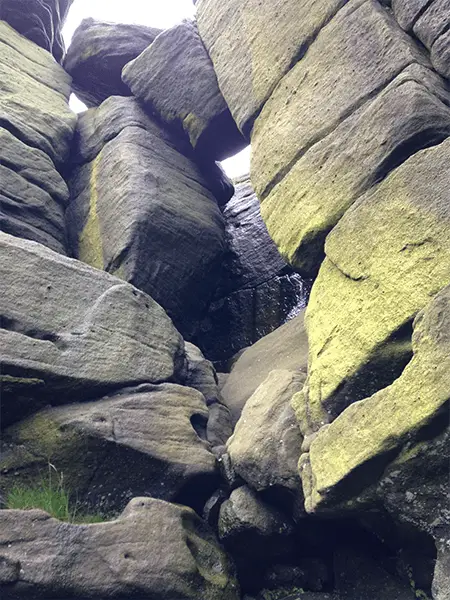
(440, 54)
(265, 445)
(97, 54)
(368, 433)
(154, 549)
(148, 440)
(411, 113)
(175, 78)
(257, 291)
(34, 91)
(141, 210)
(387, 257)
(202, 376)
(70, 331)
(356, 55)
(40, 21)
(253, 44)
(285, 348)
(408, 11)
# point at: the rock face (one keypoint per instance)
(175, 78)
(153, 549)
(70, 330)
(36, 132)
(429, 22)
(141, 210)
(97, 54)
(40, 21)
(150, 440)
(387, 257)
(257, 291)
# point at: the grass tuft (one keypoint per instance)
(49, 494)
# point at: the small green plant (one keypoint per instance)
(49, 494)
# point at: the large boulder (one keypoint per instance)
(97, 54)
(352, 452)
(257, 291)
(386, 258)
(285, 348)
(149, 440)
(70, 331)
(409, 114)
(315, 153)
(265, 446)
(252, 44)
(154, 549)
(40, 21)
(36, 131)
(175, 79)
(142, 210)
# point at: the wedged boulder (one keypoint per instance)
(154, 549)
(257, 291)
(252, 45)
(141, 210)
(174, 78)
(409, 114)
(40, 21)
(387, 257)
(97, 54)
(352, 452)
(34, 96)
(285, 348)
(143, 441)
(265, 446)
(71, 331)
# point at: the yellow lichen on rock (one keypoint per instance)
(382, 423)
(90, 246)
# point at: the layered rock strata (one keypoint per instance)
(36, 129)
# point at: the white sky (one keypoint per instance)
(154, 13)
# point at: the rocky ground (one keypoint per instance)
(226, 390)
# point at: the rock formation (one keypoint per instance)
(181, 418)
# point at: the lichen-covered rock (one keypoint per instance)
(36, 131)
(141, 210)
(154, 549)
(265, 446)
(387, 257)
(285, 348)
(148, 440)
(40, 21)
(252, 45)
(410, 113)
(71, 331)
(97, 54)
(343, 455)
(356, 55)
(257, 291)
(174, 78)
